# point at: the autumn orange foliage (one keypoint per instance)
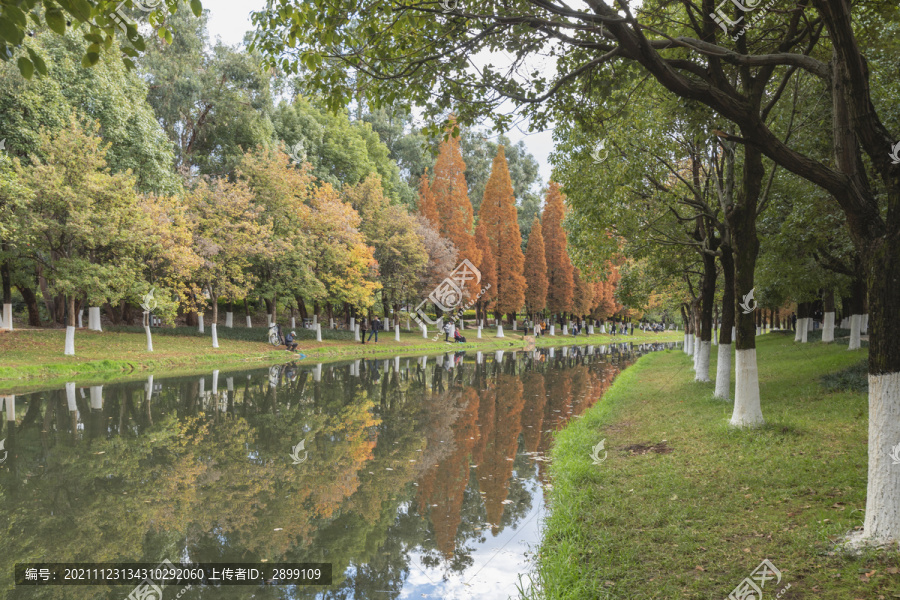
(498, 218)
(535, 270)
(560, 285)
(451, 196)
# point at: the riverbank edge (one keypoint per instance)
(596, 544)
(45, 374)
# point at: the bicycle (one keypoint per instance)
(275, 336)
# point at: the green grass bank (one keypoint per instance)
(33, 358)
(686, 507)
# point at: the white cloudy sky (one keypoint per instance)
(230, 19)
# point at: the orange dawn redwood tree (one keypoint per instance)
(488, 268)
(451, 196)
(583, 295)
(535, 270)
(499, 219)
(427, 206)
(560, 285)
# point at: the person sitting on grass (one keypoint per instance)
(289, 341)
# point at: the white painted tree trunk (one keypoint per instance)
(70, 396)
(397, 360)
(356, 334)
(828, 330)
(703, 362)
(80, 316)
(715, 337)
(696, 352)
(215, 335)
(590, 330)
(758, 330)
(602, 328)
(7, 317)
(804, 330)
(479, 332)
(425, 332)
(331, 323)
(514, 325)
(315, 320)
(855, 322)
(747, 410)
(864, 325)
(723, 372)
(684, 344)
(565, 330)
(249, 322)
(229, 320)
(396, 333)
(318, 332)
(317, 372)
(500, 331)
(882, 523)
(732, 334)
(94, 318)
(70, 341)
(800, 328)
(149, 338)
(293, 323)
(97, 397)
(200, 327)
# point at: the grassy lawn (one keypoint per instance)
(31, 358)
(686, 507)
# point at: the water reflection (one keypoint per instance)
(423, 476)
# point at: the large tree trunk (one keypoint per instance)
(31, 303)
(6, 320)
(707, 297)
(857, 308)
(741, 222)
(828, 325)
(70, 328)
(723, 367)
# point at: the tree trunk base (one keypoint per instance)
(723, 372)
(747, 410)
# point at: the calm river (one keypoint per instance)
(419, 477)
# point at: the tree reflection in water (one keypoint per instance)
(413, 465)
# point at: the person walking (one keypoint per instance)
(363, 327)
(793, 322)
(376, 325)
